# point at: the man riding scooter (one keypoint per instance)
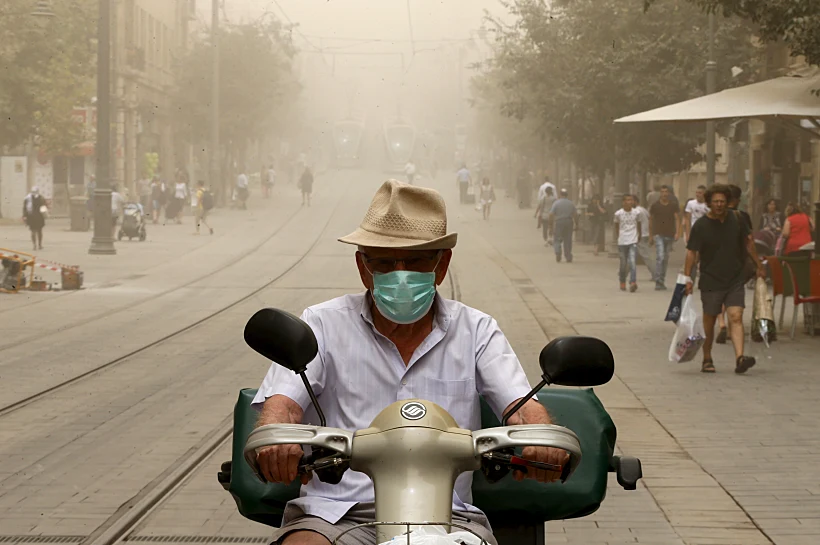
(398, 340)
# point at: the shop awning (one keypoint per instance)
(791, 98)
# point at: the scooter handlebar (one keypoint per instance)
(335, 439)
(530, 435)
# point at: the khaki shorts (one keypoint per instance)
(295, 520)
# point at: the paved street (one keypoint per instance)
(727, 459)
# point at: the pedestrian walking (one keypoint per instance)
(306, 185)
(117, 203)
(563, 216)
(269, 181)
(772, 220)
(644, 249)
(542, 191)
(720, 241)
(797, 231)
(543, 214)
(204, 204)
(664, 231)
(144, 189)
(242, 192)
(523, 185)
(410, 172)
(34, 216)
(695, 209)
(463, 180)
(159, 197)
(628, 227)
(487, 197)
(180, 197)
(597, 220)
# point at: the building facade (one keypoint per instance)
(148, 36)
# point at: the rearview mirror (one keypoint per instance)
(283, 338)
(577, 361)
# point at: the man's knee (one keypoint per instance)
(735, 315)
(304, 537)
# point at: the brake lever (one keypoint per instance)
(517, 463)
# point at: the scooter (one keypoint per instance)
(417, 437)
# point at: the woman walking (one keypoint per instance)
(772, 219)
(34, 215)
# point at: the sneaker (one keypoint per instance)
(660, 287)
(744, 363)
(633, 287)
(558, 259)
(623, 286)
(722, 336)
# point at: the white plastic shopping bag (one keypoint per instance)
(434, 535)
(690, 335)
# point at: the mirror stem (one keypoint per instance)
(313, 399)
(523, 400)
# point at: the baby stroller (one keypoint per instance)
(133, 222)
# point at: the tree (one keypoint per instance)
(580, 64)
(48, 70)
(257, 86)
(794, 22)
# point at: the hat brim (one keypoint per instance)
(360, 237)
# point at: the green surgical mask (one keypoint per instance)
(404, 297)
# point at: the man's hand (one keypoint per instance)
(280, 464)
(545, 455)
(689, 287)
(761, 270)
(651, 240)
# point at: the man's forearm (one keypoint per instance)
(280, 409)
(531, 413)
(691, 257)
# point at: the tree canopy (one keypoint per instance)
(257, 84)
(794, 22)
(568, 70)
(46, 70)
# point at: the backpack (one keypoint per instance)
(207, 200)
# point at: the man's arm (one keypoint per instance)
(752, 249)
(691, 259)
(534, 413)
(677, 226)
(687, 223)
(280, 464)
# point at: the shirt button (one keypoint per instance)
(404, 382)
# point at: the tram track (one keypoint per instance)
(229, 263)
(21, 403)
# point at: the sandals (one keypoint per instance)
(722, 336)
(744, 363)
(708, 366)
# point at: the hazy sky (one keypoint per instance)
(375, 19)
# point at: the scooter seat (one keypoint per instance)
(524, 503)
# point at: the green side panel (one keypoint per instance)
(527, 502)
(258, 501)
(800, 266)
(530, 502)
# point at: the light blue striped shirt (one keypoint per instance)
(358, 372)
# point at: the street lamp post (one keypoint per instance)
(103, 241)
(711, 87)
(215, 163)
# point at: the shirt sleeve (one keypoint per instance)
(695, 238)
(616, 218)
(500, 379)
(281, 381)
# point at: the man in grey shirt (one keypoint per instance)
(562, 217)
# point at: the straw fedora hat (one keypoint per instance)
(406, 217)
